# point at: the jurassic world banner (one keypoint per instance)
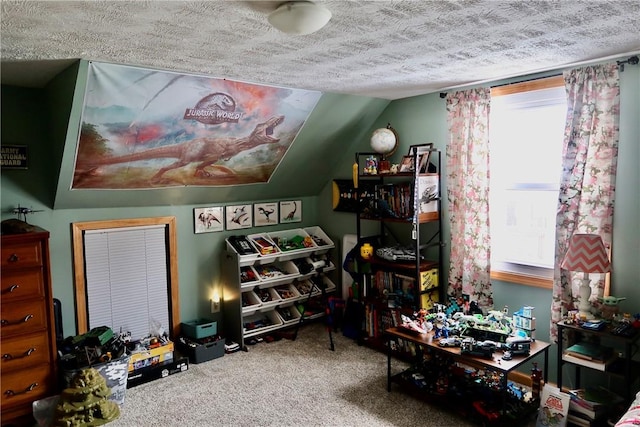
(145, 128)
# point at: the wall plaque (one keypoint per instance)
(14, 156)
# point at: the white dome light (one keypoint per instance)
(299, 17)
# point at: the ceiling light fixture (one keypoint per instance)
(299, 17)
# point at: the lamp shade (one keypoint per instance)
(586, 254)
(299, 17)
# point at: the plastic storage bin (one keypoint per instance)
(289, 314)
(259, 323)
(200, 328)
(203, 352)
(250, 302)
(320, 238)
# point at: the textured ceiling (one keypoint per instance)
(384, 49)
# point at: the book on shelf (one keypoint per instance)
(593, 397)
(574, 419)
(593, 364)
(590, 351)
(591, 413)
(428, 193)
(592, 403)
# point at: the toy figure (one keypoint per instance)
(440, 326)
(412, 325)
(371, 166)
(366, 251)
(609, 306)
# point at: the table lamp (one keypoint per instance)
(586, 254)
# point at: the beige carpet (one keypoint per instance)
(284, 383)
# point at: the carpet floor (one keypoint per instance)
(285, 383)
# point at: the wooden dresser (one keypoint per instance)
(27, 331)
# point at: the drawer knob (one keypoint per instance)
(5, 322)
(26, 390)
(14, 257)
(8, 356)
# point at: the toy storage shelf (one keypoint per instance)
(464, 399)
(261, 291)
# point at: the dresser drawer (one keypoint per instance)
(24, 351)
(20, 255)
(23, 317)
(26, 385)
(21, 284)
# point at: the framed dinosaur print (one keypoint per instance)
(207, 220)
(238, 216)
(265, 214)
(144, 128)
(290, 211)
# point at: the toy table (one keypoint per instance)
(495, 364)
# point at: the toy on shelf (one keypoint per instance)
(609, 307)
(371, 166)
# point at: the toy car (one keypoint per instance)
(450, 342)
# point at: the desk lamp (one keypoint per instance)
(586, 254)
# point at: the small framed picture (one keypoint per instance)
(239, 216)
(290, 211)
(407, 164)
(424, 151)
(206, 220)
(265, 214)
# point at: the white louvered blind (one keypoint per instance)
(126, 276)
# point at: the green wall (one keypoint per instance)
(423, 119)
(339, 127)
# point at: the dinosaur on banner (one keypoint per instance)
(204, 151)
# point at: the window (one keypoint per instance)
(103, 273)
(527, 129)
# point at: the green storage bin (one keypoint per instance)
(200, 328)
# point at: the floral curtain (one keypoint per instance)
(467, 168)
(590, 156)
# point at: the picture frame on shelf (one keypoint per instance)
(423, 158)
(407, 164)
(238, 217)
(290, 211)
(207, 220)
(265, 214)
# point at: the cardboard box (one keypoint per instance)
(114, 373)
(156, 372)
(151, 357)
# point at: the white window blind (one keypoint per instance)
(126, 276)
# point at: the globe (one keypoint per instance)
(383, 141)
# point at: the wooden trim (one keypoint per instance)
(544, 83)
(522, 279)
(80, 286)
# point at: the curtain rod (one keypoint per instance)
(632, 60)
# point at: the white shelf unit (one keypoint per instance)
(260, 289)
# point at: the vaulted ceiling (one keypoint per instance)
(385, 49)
